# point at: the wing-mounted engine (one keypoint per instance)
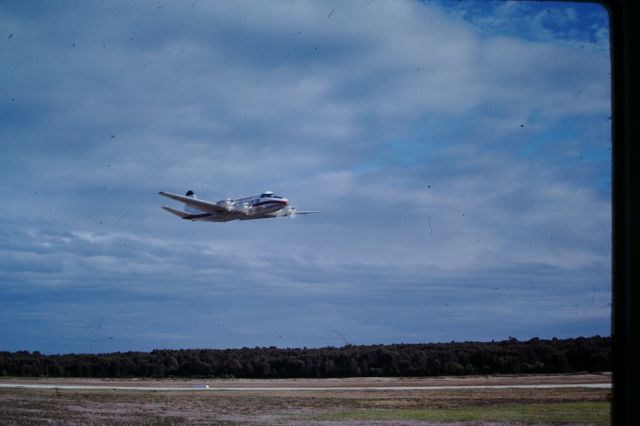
(227, 204)
(246, 208)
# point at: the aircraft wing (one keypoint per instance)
(205, 206)
(289, 211)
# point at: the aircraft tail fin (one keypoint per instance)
(188, 208)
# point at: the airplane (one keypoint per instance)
(263, 206)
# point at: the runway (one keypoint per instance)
(206, 388)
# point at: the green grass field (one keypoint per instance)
(596, 413)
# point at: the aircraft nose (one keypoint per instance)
(285, 201)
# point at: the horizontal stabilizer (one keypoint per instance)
(182, 214)
(307, 212)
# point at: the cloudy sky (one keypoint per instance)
(459, 153)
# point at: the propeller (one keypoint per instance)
(291, 211)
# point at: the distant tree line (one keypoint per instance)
(511, 356)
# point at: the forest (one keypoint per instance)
(534, 356)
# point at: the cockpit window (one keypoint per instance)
(267, 194)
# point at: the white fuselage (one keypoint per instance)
(261, 206)
(252, 207)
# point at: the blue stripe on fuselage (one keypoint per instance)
(264, 203)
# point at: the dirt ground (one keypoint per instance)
(286, 407)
